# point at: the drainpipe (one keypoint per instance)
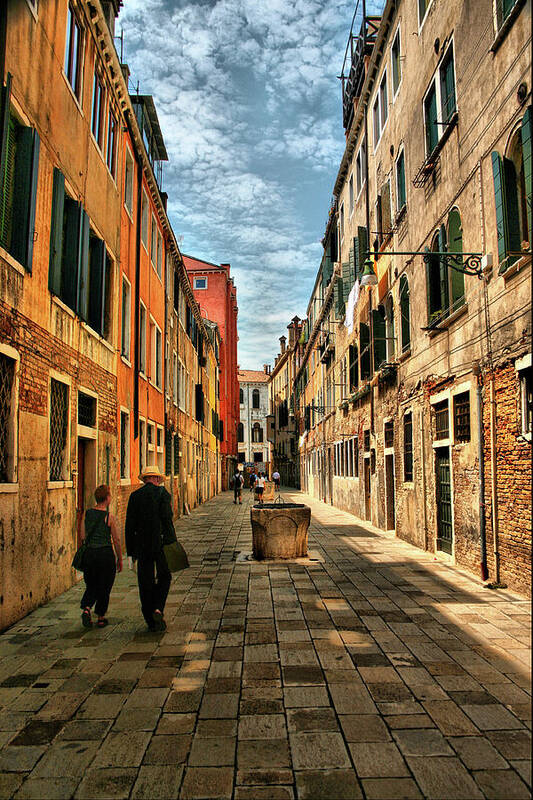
(137, 281)
(423, 467)
(494, 481)
(481, 461)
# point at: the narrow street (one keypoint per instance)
(370, 670)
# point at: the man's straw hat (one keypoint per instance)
(151, 471)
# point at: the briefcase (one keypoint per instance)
(176, 556)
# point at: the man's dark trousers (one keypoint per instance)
(154, 579)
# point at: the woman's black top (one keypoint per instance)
(97, 532)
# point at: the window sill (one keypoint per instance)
(444, 323)
(59, 484)
(8, 258)
(516, 267)
(86, 432)
(437, 443)
(63, 306)
(73, 93)
(404, 356)
(506, 26)
(408, 485)
(129, 212)
(9, 488)
(154, 386)
(143, 375)
(125, 360)
(98, 336)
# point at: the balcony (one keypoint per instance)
(358, 49)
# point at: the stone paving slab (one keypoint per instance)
(372, 670)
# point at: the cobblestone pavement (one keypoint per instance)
(371, 671)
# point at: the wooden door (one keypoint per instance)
(80, 489)
(444, 500)
(368, 512)
(389, 488)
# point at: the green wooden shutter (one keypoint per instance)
(405, 313)
(500, 203)
(83, 266)
(443, 271)
(447, 83)
(96, 285)
(26, 172)
(56, 233)
(514, 243)
(8, 183)
(362, 240)
(5, 116)
(432, 134)
(357, 261)
(364, 344)
(353, 367)
(345, 281)
(352, 267)
(455, 245)
(525, 132)
(378, 338)
(339, 290)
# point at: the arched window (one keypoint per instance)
(240, 432)
(389, 328)
(255, 398)
(257, 433)
(241, 397)
(405, 314)
(437, 278)
(512, 194)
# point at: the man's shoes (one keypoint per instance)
(159, 621)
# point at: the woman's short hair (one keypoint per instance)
(101, 493)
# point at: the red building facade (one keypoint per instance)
(216, 294)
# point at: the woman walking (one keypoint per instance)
(100, 561)
(260, 487)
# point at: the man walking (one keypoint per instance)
(148, 527)
(276, 477)
(238, 481)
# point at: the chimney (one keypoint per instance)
(282, 342)
(292, 335)
(266, 369)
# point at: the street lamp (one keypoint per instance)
(369, 277)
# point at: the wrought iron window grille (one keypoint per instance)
(7, 374)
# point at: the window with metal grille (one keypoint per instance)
(389, 434)
(58, 429)
(86, 410)
(142, 445)
(7, 378)
(355, 446)
(442, 420)
(461, 417)
(124, 444)
(408, 447)
(168, 452)
(176, 453)
(366, 440)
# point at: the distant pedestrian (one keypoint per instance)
(149, 526)
(100, 561)
(276, 477)
(260, 487)
(238, 481)
(253, 478)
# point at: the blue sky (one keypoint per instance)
(249, 104)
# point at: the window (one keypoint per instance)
(408, 447)
(405, 314)
(360, 168)
(153, 244)
(128, 181)
(389, 434)
(341, 222)
(59, 418)
(125, 347)
(19, 170)
(86, 410)
(396, 64)
(423, 6)
(512, 193)
(156, 355)
(390, 345)
(142, 445)
(150, 447)
(354, 367)
(381, 109)
(200, 283)
(124, 445)
(241, 458)
(401, 197)
(258, 458)
(144, 219)
(526, 401)
(355, 456)
(240, 432)
(175, 378)
(142, 338)
(73, 52)
(8, 419)
(241, 397)
(364, 343)
(442, 420)
(366, 440)
(95, 287)
(112, 129)
(159, 254)
(445, 285)
(97, 119)
(461, 417)
(160, 450)
(350, 193)
(503, 9)
(257, 433)
(383, 213)
(255, 398)
(440, 102)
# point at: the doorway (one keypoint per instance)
(367, 489)
(87, 480)
(444, 500)
(389, 491)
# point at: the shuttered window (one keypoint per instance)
(354, 367)
(364, 343)
(405, 314)
(19, 169)
(408, 447)
(97, 119)
(401, 197)
(379, 336)
(73, 52)
(440, 101)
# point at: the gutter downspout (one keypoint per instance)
(423, 465)
(137, 281)
(481, 461)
